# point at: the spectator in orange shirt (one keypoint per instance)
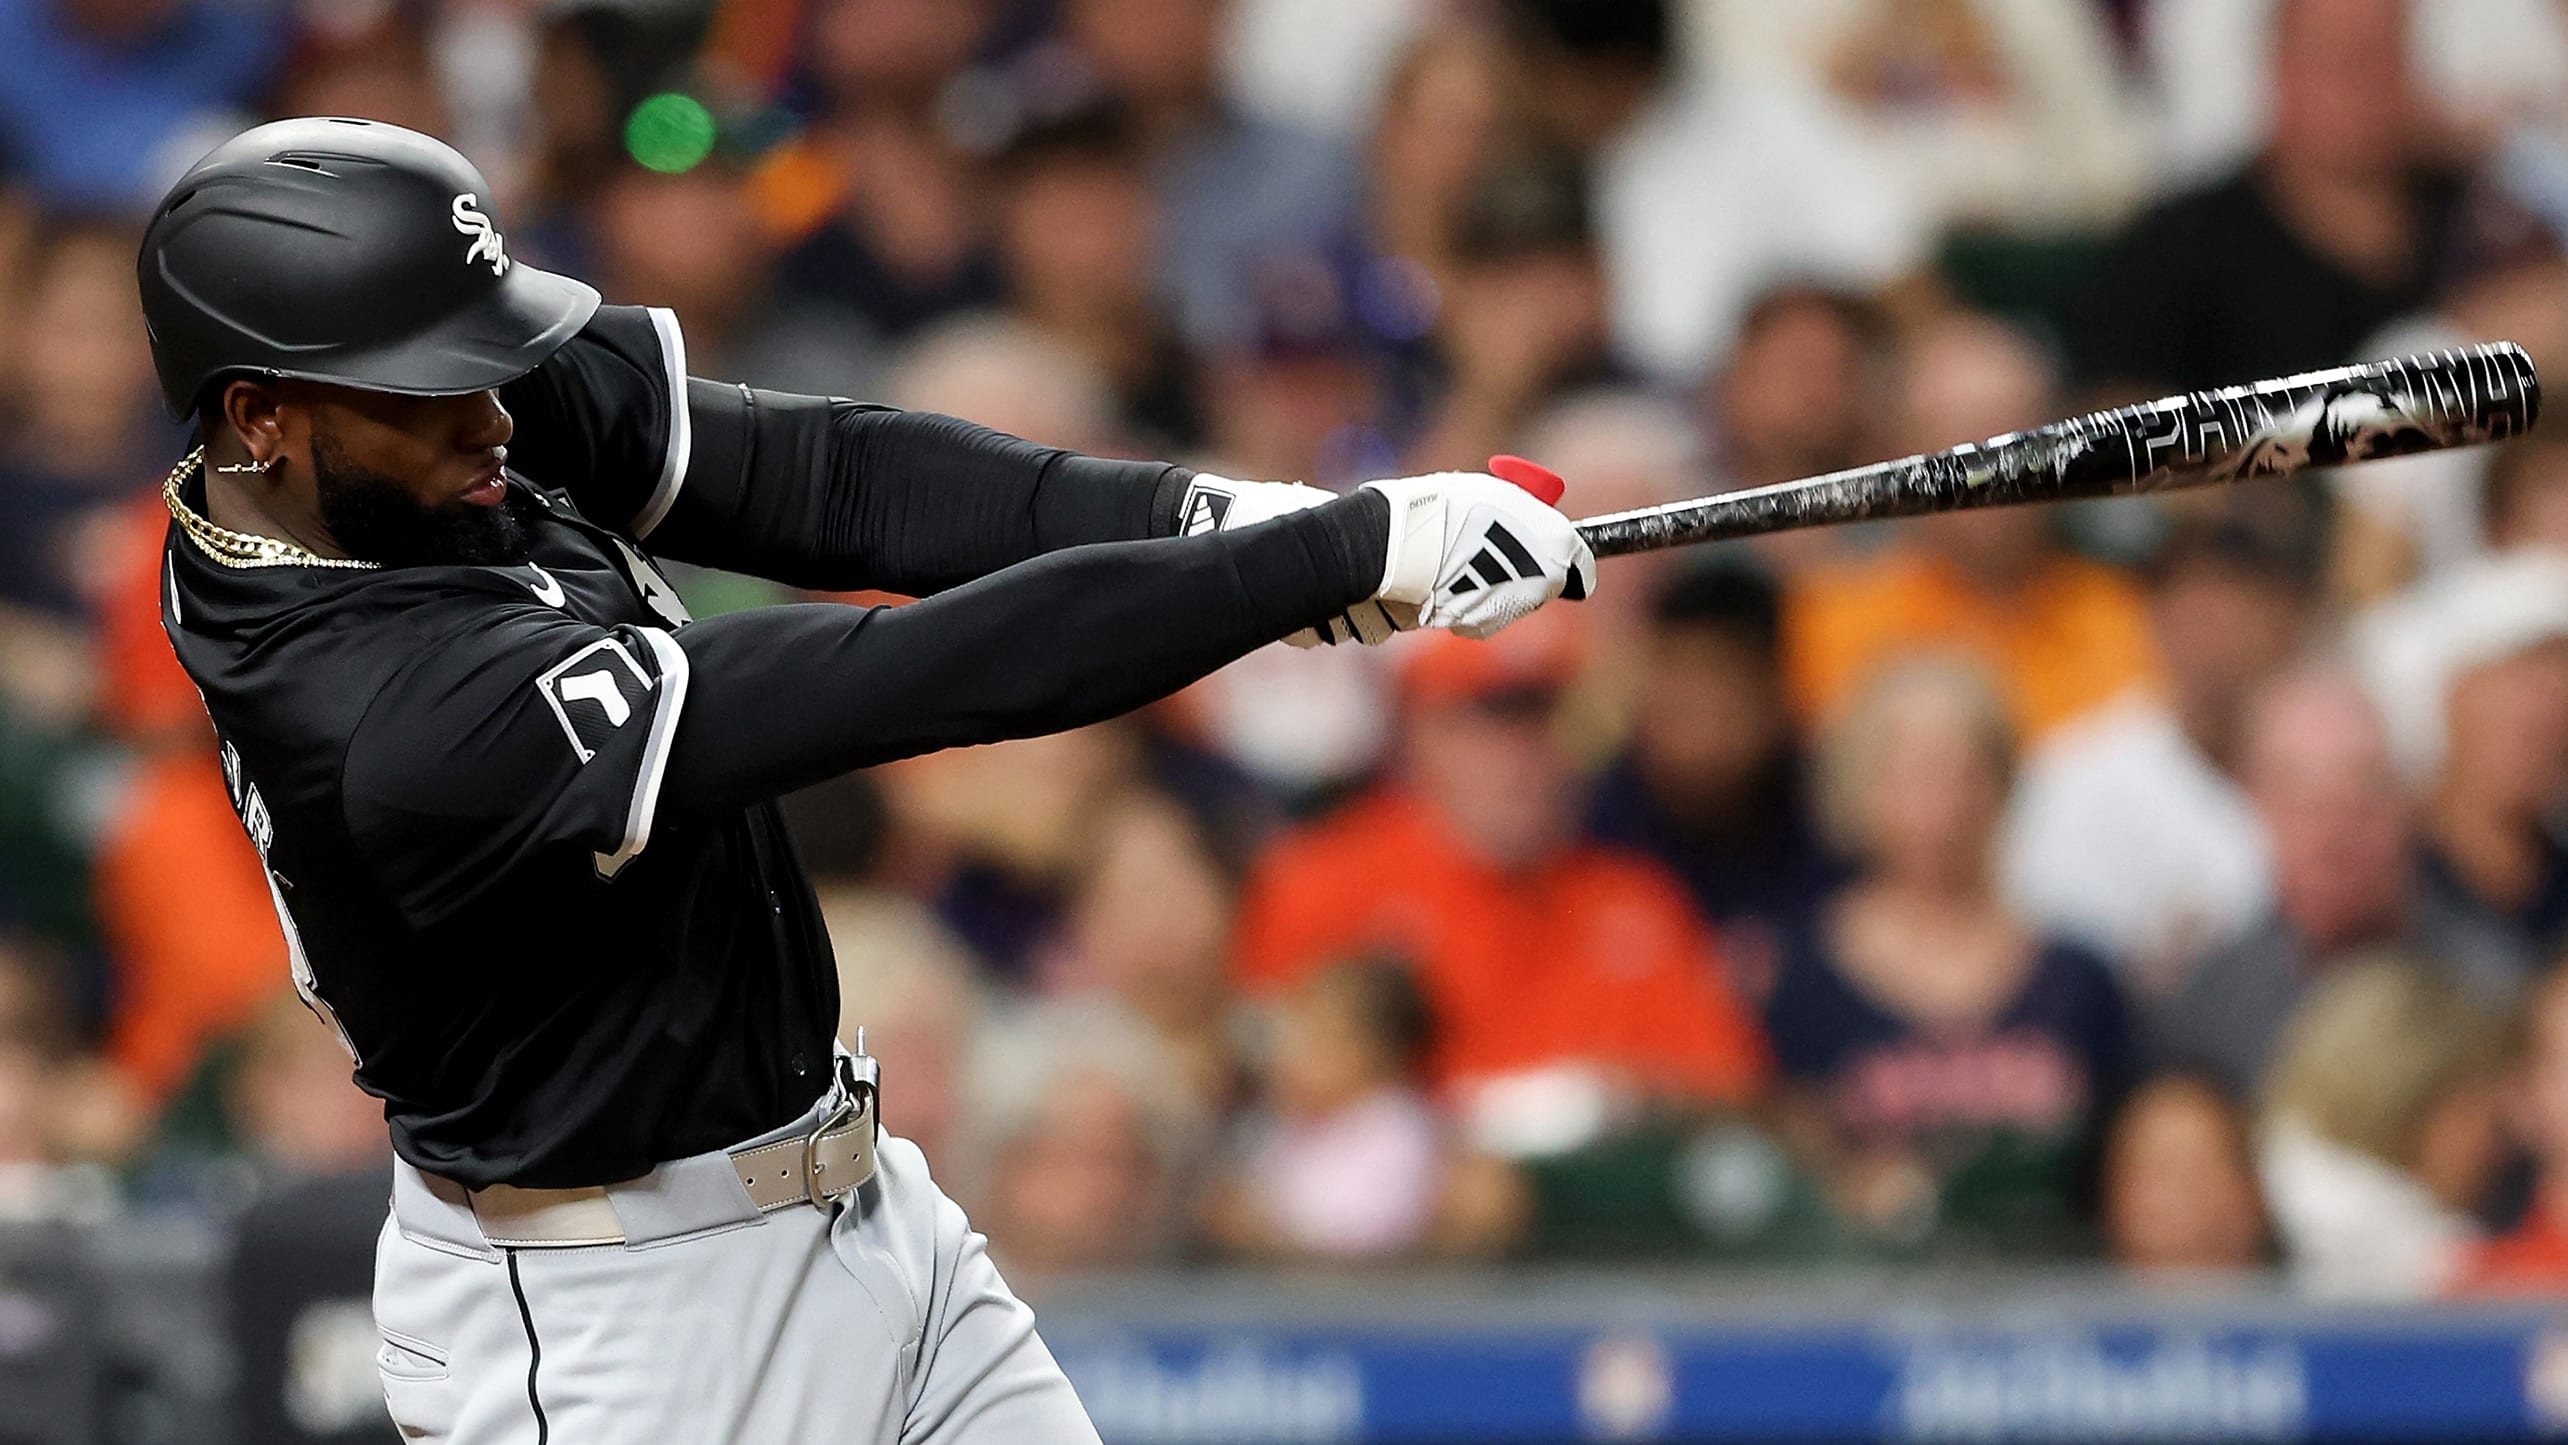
(1534, 951)
(181, 897)
(2533, 1257)
(2060, 634)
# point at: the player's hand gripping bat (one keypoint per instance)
(2267, 429)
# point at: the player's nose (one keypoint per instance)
(484, 423)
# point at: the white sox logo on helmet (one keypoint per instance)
(486, 245)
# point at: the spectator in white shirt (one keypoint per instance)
(1707, 196)
(2005, 113)
(2382, 1130)
(1318, 65)
(2130, 832)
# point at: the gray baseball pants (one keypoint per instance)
(880, 1321)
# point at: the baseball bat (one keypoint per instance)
(2425, 403)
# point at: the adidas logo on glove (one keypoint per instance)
(1471, 553)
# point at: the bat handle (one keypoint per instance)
(1544, 483)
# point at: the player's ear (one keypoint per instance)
(253, 411)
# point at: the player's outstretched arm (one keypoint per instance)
(523, 729)
(824, 492)
(785, 696)
(520, 730)
(1085, 634)
(829, 493)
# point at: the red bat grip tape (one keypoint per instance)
(1544, 483)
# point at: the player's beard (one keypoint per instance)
(377, 519)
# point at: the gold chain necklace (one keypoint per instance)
(239, 549)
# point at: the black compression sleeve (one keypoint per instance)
(781, 697)
(834, 494)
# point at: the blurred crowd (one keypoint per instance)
(2172, 882)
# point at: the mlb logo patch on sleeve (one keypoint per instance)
(594, 693)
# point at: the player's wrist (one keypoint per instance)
(1210, 502)
(1302, 572)
(1471, 552)
(1413, 553)
(1357, 530)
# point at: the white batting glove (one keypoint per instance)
(1471, 553)
(1219, 504)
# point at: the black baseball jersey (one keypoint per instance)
(518, 819)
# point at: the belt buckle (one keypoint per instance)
(860, 1081)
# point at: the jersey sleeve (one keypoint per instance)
(604, 418)
(814, 491)
(512, 731)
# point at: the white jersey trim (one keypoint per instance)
(673, 467)
(655, 752)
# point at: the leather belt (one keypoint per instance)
(835, 1157)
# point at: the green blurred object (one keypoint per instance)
(49, 782)
(711, 593)
(2016, 1194)
(670, 132)
(1719, 1190)
(2031, 280)
(2000, 1194)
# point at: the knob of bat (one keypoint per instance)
(1545, 484)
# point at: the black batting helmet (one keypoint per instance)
(346, 251)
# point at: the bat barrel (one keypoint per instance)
(2463, 397)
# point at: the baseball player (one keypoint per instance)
(516, 806)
